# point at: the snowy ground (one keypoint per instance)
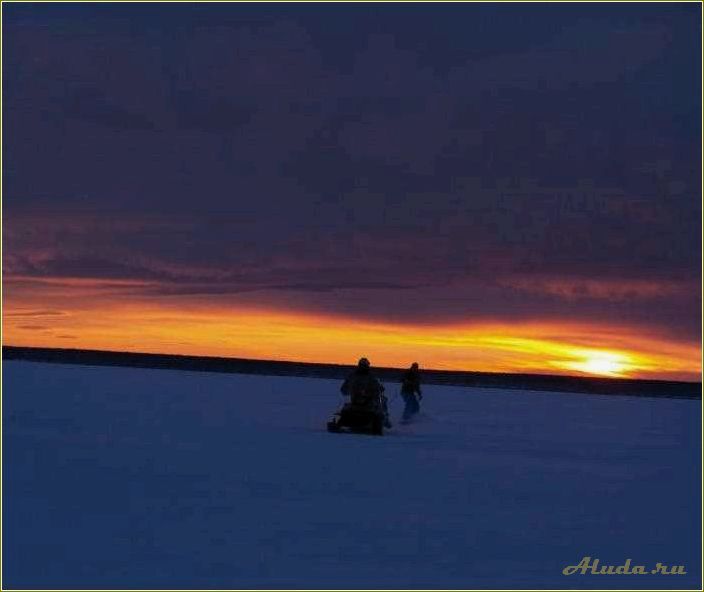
(132, 478)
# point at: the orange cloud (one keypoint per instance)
(190, 327)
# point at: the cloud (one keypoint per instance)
(626, 290)
(262, 161)
(91, 105)
(34, 313)
(580, 55)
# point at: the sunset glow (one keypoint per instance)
(603, 363)
(189, 328)
(318, 187)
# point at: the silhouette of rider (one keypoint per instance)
(363, 389)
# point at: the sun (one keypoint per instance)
(599, 363)
(603, 366)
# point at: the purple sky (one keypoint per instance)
(427, 163)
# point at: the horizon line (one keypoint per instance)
(467, 378)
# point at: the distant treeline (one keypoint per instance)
(530, 382)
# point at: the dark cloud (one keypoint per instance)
(357, 163)
(91, 105)
(581, 55)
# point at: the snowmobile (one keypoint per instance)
(364, 413)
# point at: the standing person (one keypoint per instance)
(410, 389)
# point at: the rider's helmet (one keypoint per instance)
(414, 365)
(363, 363)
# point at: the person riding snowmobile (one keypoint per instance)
(363, 388)
(410, 387)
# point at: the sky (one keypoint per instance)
(495, 187)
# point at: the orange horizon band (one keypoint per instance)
(570, 348)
